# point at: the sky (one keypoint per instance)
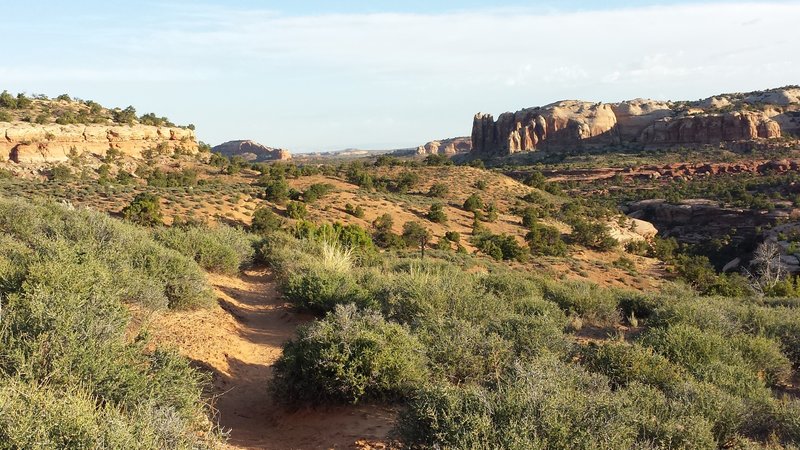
(323, 75)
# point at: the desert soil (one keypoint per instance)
(238, 340)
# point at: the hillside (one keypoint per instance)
(38, 130)
(730, 119)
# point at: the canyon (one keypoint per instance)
(572, 124)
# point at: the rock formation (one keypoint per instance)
(252, 151)
(572, 124)
(25, 143)
(447, 147)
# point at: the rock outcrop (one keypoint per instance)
(252, 151)
(568, 125)
(447, 147)
(25, 143)
(558, 124)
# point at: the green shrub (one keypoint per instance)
(221, 249)
(355, 211)
(316, 191)
(544, 240)
(265, 221)
(463, 352)
(709, 357)
(415, 235)
(500, 246)
(276, 190)
(624, 364)
(439, 190)
(588, 300)
(473, 203)
(296, 210)
(542, 405)
(436, 213)
(595, 235)
(144, 209)
(73, 372)
(350, 356)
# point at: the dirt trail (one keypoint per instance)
(238, 340)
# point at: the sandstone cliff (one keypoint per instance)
(447, 147)
(572, 124)
(23, 143)
(252, 151)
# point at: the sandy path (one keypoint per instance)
(238, 341)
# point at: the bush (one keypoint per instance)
(383, 236)
(355, 211)
(415, 235)
(544, 240)
(542, 405)
(316, 191)
(500, 246)
(144, 209)
(221, 249)
(436, 213)
(624, 364)
(350, 356)
(595, 235)
(73, 371)
(588, 300)
(296, 210)
(439, 190)
(265, 221)
(276, 190)
(708, 356)
(473, 203)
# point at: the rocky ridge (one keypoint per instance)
(446, 147)
(762, 115)
(252, 151)
(26, 143)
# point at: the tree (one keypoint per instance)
(265, 221)
(276, 190)
(594, 235)
(473, 203)
(438, 190)
(436, 213)
(491, 212)
(768, 269)
(536, 179)
(414, 234)
(544, 240)
(384, 237)
(145, 209)
(437, 160)
(296, 210)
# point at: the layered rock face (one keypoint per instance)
(252, 151)
(25, 143)
(447, 147)
(562, 123)
(575, 124)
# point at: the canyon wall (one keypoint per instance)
(26, 143)
(573, 124)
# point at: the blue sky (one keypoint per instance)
(308, 75)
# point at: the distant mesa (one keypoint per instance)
(252, 151)
(448, 147)
(759, 116)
